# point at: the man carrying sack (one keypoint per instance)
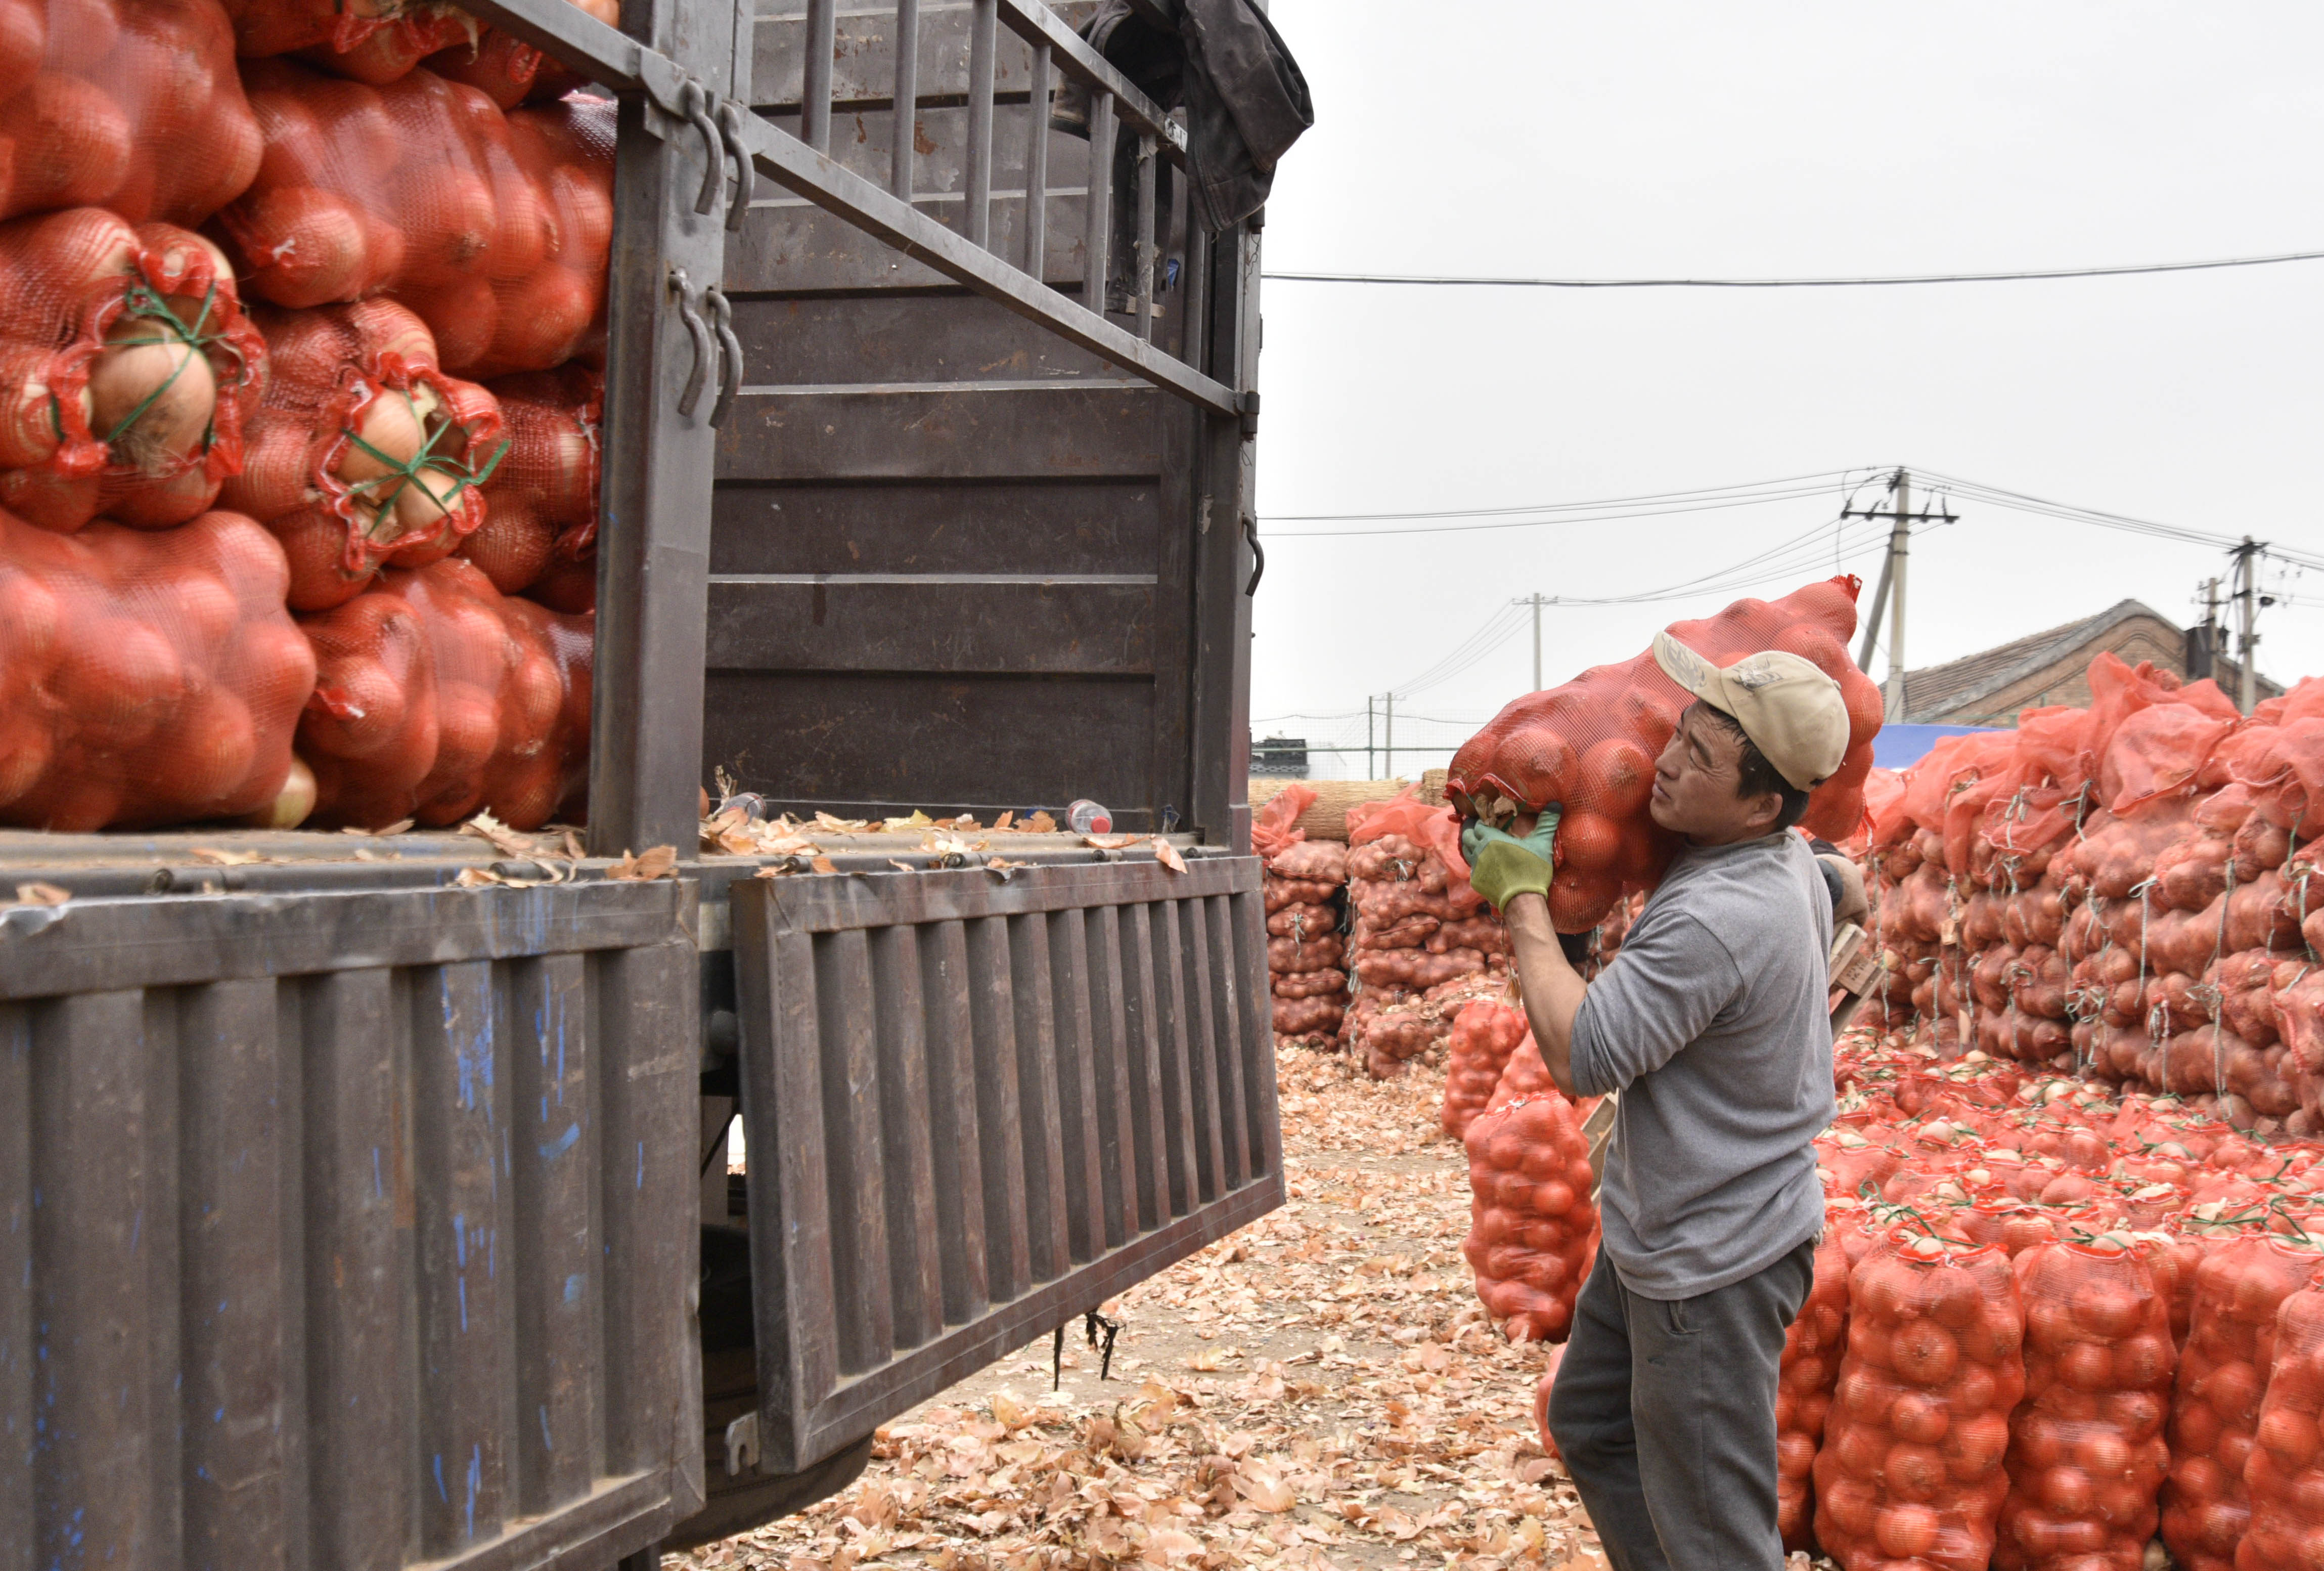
(1711, 1023)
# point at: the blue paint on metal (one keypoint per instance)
(378, 1189)
(546, 1443)
(218, 1416)
(439, 1480)
(460, 1238)
(464, 1303)
(475, 1482)
(573, 1289)
(642, 1164)
(136, 1228)
(492, 1254)
(564, 1142)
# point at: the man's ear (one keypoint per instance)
(1765, 809)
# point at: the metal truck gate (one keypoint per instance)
(977, 1109)
(341, 1229)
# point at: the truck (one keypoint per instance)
(364, 1199)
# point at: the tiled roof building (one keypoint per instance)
(2051, 667)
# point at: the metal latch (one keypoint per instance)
(743, 1445)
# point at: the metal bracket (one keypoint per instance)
(746, 174)
(1257, 554)
(722, 321)
(743, 1445)
(1247, 404)
(695, 102)
(690, 397)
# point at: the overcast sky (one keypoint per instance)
(1810, 138)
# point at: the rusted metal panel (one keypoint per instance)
(852, 743)
(367, 1249)
(865, 1306)
(1000, 624)
(931, 527)
(934, 432)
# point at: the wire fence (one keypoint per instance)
(1354, 745)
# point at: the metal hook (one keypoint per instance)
(695, 100)
(1257, 554)
(691, 397)
(722, 319)
(746, 177)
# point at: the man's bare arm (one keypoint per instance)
(1552, 989)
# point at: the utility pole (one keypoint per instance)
(1890, 595)
(1368, 738)
(1387, 739)
(1536, 602)
(2247, 645)
(2203, 644)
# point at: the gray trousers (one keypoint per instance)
(1664, 1411)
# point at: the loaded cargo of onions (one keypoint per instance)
(128, 371)
(495, 228)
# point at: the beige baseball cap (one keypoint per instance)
(1792, 712)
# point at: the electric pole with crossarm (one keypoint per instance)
(1891, 584)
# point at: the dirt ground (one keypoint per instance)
(1321, 1388)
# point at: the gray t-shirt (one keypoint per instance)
(1713, 1024)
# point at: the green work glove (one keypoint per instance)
(1501, 865)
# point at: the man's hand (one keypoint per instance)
(1501, 865)
(1849, 904)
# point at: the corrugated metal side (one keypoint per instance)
(977, 1108)
(347, 1230)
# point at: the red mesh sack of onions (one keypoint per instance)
(1591, 745)
(368, 40)
(2285, 1474)
(2087, 1453)
(146, 678)
(133, 105)
(539, 538)
(1813, 1345)
(494, 227)
(1910, 1473)
(2223, 1374)
(510, 72)
(1485, 1033)
(436, 695)
(1532, 1231)
(127, 370)
(362, 454)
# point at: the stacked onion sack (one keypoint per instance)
(380, 43)
(1303, 883)
(493, 226)
(1590, 745)
(1421, 943)
(2131, 1258)
(150, 673)
(2125, 889)
(1533, 1234)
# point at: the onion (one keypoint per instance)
(153, 400)
(389, 424)
(292, 801)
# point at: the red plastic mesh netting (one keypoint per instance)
(1533, 1232)
(539, 533)
(362, 454)
(145, 677)
(1591, 745)
(494, 227)
(1910, 1470)
(127, 370)
(436, 695)
(2087, 1453)
(509, 72)
(133, 105)
(2286, 1472)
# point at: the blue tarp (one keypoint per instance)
(1897, 746)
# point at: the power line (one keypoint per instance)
(1447, 282)
(1822, 477)
(1602, 517)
